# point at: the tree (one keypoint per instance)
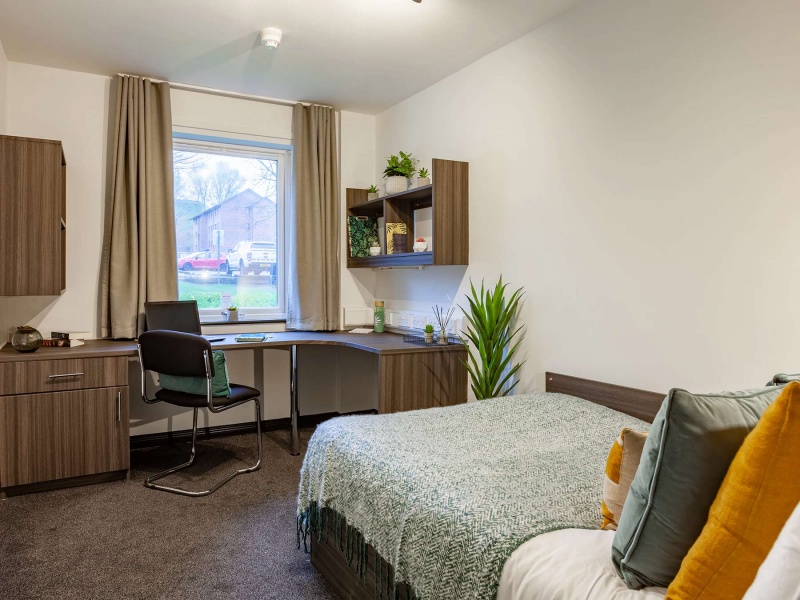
(225, 181)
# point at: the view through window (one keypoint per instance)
(229, 230)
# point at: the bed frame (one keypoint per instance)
(330, 558)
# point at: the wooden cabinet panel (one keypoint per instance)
(64, 434)
(422, 380)
(27, 377)
(32, 214)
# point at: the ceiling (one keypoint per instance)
(359, 55)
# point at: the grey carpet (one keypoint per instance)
(121, 540)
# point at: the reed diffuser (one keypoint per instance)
(443, 317)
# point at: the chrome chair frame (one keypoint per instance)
(214, 409)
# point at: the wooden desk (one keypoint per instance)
(410, 377)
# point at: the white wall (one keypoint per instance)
(73, 107)
(634, 165)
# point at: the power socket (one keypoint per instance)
(419, 321)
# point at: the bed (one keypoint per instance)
(432, 504)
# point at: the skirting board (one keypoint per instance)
(148, 440)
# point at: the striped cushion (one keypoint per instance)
(623, 460)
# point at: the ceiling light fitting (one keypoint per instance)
(271, 37)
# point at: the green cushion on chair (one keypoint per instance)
(220, 386)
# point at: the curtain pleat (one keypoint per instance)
(139, 251)
(313, 222)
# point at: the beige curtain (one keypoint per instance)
(313, 222)
(139, 253)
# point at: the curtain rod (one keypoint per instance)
(217, 92)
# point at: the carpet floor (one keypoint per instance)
(122, 541)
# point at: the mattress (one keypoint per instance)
(569, 564)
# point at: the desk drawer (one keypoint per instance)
(32, 376)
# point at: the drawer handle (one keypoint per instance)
(64, 375)
(119, 406)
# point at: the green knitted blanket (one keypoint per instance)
(446, 495)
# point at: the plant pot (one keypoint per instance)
(233, 315)
(395, 185)
(442, 338)
(428, 337)
(421, 181)
(372, 195)
(420, 246)
(374, 250)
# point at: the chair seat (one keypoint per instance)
(239, 393)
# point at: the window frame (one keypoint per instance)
(248, 149)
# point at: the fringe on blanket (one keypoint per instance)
(350, 541)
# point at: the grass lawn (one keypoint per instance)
(209, 295)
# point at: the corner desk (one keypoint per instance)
(64, 412)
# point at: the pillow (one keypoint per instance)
(778, 576)
(686, 455)
(220, 387)
(758, 495)
(623, 460)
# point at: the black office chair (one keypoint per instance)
(188, 355)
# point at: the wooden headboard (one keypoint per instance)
(637, 403)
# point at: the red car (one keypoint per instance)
(203, 261)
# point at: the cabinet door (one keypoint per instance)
(63, 434)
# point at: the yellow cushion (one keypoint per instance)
(758, 494)
(623, 460)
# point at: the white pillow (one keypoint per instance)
(779, 575)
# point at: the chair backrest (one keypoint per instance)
(176, 315)
(175, 353)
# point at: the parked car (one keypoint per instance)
(253, 257)
(203, 261)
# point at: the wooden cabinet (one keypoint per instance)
(448, 199)
(62, 422)
(32, 217)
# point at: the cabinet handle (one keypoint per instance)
(119, 406)
(64, 375)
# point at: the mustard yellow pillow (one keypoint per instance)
(758, 494)
(623, 460)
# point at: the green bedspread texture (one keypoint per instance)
(446, 495)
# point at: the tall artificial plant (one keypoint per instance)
(493, 340)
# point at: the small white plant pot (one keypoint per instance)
(395, 185)
(420, 246)
(428, 337)
(233, 315)
(374, 250)
(422, 181)
(372, 196)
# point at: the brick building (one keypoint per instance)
(243, 217)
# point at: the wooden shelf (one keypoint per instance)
(447, 196)
(409, 259)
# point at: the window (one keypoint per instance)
(229, 207)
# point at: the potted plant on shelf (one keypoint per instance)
(420, 245)
(428, 329)
(233, 313)
(375, 249)
(424, 177)
(372, 192)
(399, 169)
(491, 331)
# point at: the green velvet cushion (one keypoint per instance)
(685, 458)
(220, 386)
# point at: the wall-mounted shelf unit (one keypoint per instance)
(448, 199)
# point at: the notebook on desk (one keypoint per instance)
(251, 337)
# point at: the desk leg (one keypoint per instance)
(294, 442)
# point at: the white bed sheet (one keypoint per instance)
(570, 564)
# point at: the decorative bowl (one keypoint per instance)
(26, 339)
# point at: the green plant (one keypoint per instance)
(372, 189)
(233, 308)
(491, 333)
(423, 172)
(404, 165)
(428, 328)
